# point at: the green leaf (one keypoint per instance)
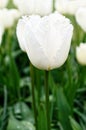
(22, 111)
(19, 125)
(42, 118)
(74, 124)
(28, 125)
(64, 110)
(14, 77)
(4, 116)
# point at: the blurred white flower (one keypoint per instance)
(69, 6)
(81, 18)
(1, 33)
(81, 54)
(8, 17)
(46, 40)
(60, 5)
(3, 3)
(41, 7)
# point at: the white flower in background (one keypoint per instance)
(81, 18)
(8, 17)
(41, 7)
(46, 40)
(60, 5)
(81, 54)
(3, 3)
(1, 33)
(69, 6)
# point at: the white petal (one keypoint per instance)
(21, 32)
(3, 3)
(35, 51)
(63, 51)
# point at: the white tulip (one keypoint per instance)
(69, 6)
(8, 17)
(42, 7)
(81, 18)
(3, 3)
(1, 33)
(46, 40)
(60, 5)
(81, 54)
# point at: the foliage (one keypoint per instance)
(67, 89)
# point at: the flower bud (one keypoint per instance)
(8, 17)
(81, 53)
(81, 18)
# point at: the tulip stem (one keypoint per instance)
(53, 8)
(33, 95)
(47, 99)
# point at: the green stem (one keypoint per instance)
(38, 79)
(5, 102)
(53, 6)
(33, 95)
(47, 100)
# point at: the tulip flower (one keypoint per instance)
(81, 18)
(46, 40)
(60, 5)
(42, 7)
(69, 6)
(81, 53)
(3, 3)
(7, 19)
